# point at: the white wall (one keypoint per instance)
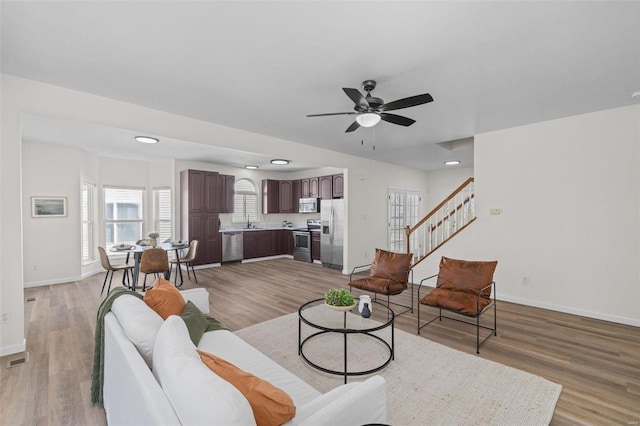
(569, 191)
(366, 191)
(51, 248)
(442, 183)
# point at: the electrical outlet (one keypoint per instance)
(525, 280)
(4, 318)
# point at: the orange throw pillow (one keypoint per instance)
(164, 298)
(271, 405)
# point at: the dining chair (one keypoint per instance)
(154, 261)
(187, 260)
(106, 264)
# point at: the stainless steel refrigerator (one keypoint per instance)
(332, 235)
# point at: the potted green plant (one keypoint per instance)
(339, 299)
(153, 238)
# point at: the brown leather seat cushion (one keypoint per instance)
(379, 285)
(458, 300)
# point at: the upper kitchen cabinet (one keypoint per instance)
(296, 188)
(226, 184)
(314, 189)
(285, 196)
(338, 186)
(325, 184)
(270, 196)
(304, 188)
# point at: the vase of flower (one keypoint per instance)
(153, 239)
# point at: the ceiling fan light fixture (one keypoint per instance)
(146, 139)
(280, 161)
(368, 119)
(250, 167)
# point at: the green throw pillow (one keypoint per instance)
(196, 321)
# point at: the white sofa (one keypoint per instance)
(190, 393)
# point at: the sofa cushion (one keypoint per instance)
(197, 394)
(164, 298)
(195, 321)
(139, 322)
(387, 264)
(271, 405)
(455, 274)
(229, 346)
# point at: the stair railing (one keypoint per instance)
(447, 219)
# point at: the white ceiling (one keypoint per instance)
(262, 66)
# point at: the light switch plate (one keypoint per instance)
(494, 211)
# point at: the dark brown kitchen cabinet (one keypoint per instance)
(250, 245)
(199, 219)
(270, 196)
(325, 184)
(265, 243)
(285, 196)
(226, 185)
(257, 244)
(304, 188)
(314, 189)
(315, 245)
(338, 186)
(296, 188)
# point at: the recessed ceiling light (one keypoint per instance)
(146, 139)
(279, 161)
(251, 167)
(452, 163)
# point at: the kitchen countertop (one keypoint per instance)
(245, 229)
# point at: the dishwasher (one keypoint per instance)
(232, 246)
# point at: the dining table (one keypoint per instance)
(138, 249)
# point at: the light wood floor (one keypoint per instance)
(596, 362)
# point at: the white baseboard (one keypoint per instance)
(260, 259)
(13, 349)
(565, 309)
(574, 311)
(53, 281)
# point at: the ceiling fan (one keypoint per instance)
(369, 110)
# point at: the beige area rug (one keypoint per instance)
(427, 383)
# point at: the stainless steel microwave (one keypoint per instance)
(309, 205)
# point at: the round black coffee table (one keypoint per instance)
(328, 321)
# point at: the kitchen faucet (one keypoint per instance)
(248, 223)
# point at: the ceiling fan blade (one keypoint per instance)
(356, 97)
(397, 119)
(407, 102)
(332, 113)
(353, 127)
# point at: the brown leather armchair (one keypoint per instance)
(389, 276)
(465, 288)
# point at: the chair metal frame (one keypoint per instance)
(106, 264)
(492, 299)
(187, 260)
(409, 274)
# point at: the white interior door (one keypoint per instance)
(404, 210)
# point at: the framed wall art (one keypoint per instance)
(48, 206)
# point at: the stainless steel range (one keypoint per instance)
(302, 240)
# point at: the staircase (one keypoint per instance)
(451, 216)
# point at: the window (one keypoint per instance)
(87, 214)
(245, 200)
(162, 212)
(404, 210)
(123, 215)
